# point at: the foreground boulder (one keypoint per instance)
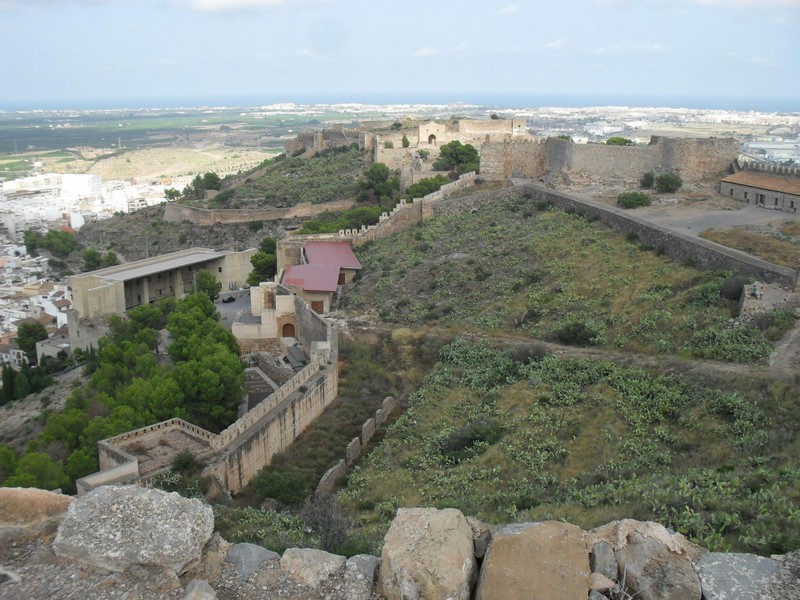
(652, 562)
(30, 506)
(547, 560)
(116, 528)
(734, 575)
(428, 553)
(311, 567)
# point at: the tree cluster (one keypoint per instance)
(265, 262)
(457, 157)
(379, 185)
(426, 186)
(619, 141)
(93, 260)
(196, 190)
(333, 221)
(58, 243)
(129, 389)
(18, 384)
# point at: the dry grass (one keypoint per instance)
(762, 245)
(791, 228)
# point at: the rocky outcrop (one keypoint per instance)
(118, 527)
(724, 576)
(428, 553)
(157, 546)
(248, 558)
(311, 567)
(536, 560)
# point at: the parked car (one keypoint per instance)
(229, 299)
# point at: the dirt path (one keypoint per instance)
(785, 359)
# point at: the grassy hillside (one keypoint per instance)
(521, 268)
(509, 436)
(286, 181)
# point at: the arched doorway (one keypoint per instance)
(431, 140)
(287, 330)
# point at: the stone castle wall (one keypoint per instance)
(175, 213)
(693, 159)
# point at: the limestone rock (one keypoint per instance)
(26, 506)
(117, 527)
(359, 576)
(428, 553)
(595, 595)
(724, 576)
(247, 558)
(785, 583)
(311, 567)
(618, 535)
(601, 583)
(547, 560)
(481, 536)
(651, 571)
(154, 578)
(199, 590)
(603, 560)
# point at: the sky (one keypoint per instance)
(93, 53)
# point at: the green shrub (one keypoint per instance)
(184, 461)
(576, 334)
(647, 180)
(388, 144)
(290, 486)
(668, 183)
(470, 440)
(633, 199)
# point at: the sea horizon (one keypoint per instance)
(484, 100)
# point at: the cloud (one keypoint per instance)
(222, 5)
(556, 44)
(509, 10)
(756, 3)
(427, 52)
(624, 48)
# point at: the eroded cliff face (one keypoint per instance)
(133, 543)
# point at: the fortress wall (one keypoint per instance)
(250, 443)
(503, 160)
(681, 247)
(698, 159)
(310, 326)
(693, 159)
(238, 463)
(175, 213)
(629, 162)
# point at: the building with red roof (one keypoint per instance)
(325, 266)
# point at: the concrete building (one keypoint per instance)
(114, 290)
(766, 191)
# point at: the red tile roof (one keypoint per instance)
(785, 185)
(312, 278)
(338, 254)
